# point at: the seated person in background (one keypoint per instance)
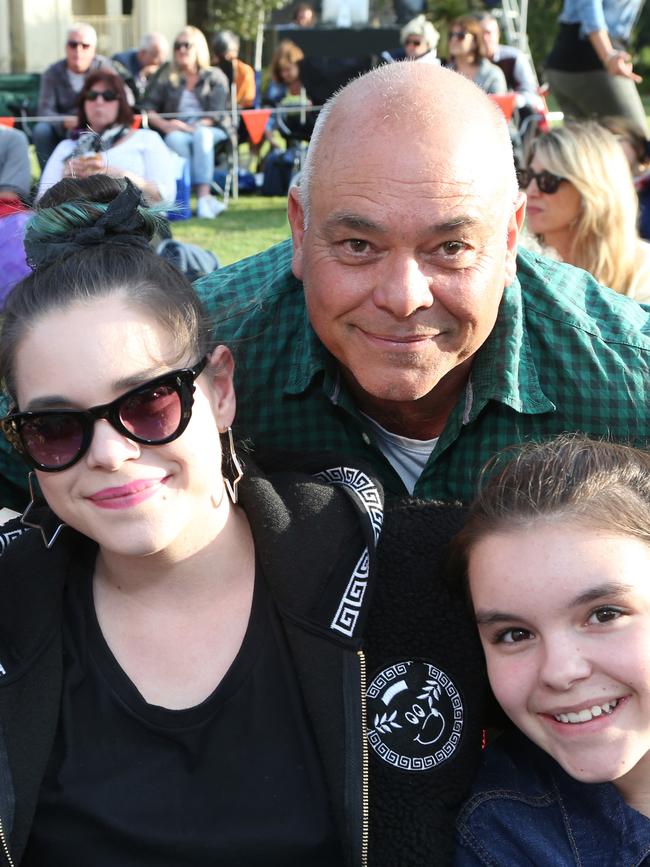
(636, 150)
(225, 56)
(191, 87)
(15, 169)
(61, 85)
(582, 204)
(556, 556)
(144, 62)
(420, 40)
(15, 184)
(106, 143)
(515, 65)
(468, 57)
(284, 70)
(303, 16)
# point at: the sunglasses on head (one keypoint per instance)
(413, 41)
(458, 34)
(547, 182)
(74, 44)
(179, 45)
(152, 414)
(106, 95)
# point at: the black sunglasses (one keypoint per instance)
(412, 41)
(72, 44)
(154, 413)
(106, 95)
(458, 34)
(179, 45)
(547, 182)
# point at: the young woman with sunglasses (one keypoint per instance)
(199, 93)
(467, 55)
(175, 648)
(582, 204)
(106, 142)
(556, 557)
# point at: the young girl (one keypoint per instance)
(556, 554)
(170, 636)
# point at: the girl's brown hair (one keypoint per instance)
(573, 479)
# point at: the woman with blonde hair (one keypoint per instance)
(582, 203)
(199, 94)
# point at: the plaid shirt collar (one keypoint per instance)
(503, 370)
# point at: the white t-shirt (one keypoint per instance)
(407, 456)
(144, 153)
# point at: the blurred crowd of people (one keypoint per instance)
(580, 179)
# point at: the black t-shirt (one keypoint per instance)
(234, 781)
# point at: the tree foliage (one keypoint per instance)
(241, 16)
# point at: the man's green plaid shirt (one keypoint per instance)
(565, 355)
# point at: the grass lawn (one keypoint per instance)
(248, 226)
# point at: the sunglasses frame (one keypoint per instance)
(182, 380)
(184, 44)
(106, 95)
(413, 40)
(547, 182)
(456, 34)
(74, 43)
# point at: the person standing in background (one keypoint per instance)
(589, 68)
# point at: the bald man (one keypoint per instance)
(400, 326)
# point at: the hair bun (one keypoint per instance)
(65, 226)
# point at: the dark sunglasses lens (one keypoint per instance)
(72, 44)
(547, 182)
(106, 95)
(52, 440)
(154, 413)
(458, 34)
(179, 45)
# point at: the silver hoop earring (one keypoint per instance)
(49, 530)
(231, 486)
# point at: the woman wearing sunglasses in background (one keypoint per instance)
(191, 88)
(166, 629)
(555, 554)
(420, 40)
(582, 204)
(467, 55)
(105, 142)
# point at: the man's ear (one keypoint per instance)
(221, 369)
(296, 216)
(514, 228)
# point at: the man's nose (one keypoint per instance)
(403, 288)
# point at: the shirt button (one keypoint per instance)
(365, 438)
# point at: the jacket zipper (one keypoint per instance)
(365, 795)
(3, 843)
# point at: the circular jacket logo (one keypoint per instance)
(415, 715)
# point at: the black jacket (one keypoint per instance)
(405, 640)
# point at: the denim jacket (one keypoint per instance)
(615, 16)
(526, 811)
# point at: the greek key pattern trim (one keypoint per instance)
(7, 538)
(363, 487)
(347, 613)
